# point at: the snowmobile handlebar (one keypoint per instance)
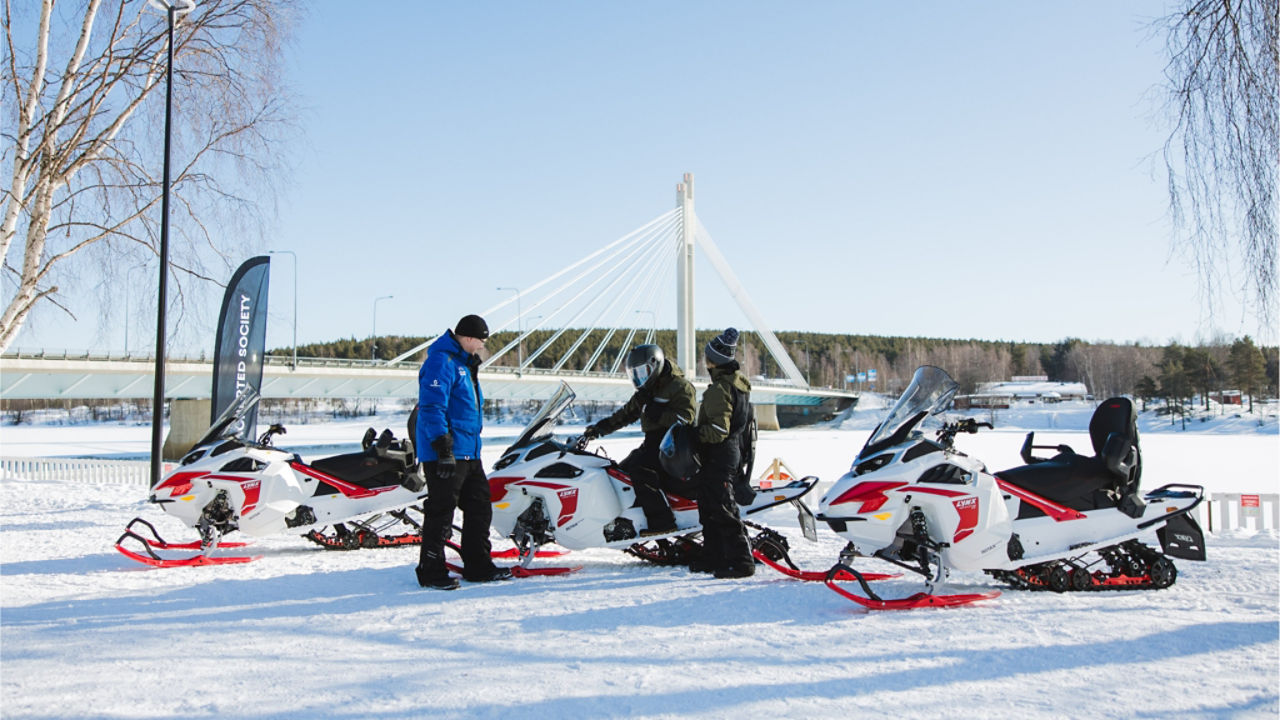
(967, 425)
(275, 429)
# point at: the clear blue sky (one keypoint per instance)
(985, 170)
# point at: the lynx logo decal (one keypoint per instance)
(568, 505)
(967, 509)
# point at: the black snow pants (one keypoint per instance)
(467, 490)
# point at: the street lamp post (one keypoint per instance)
(374, 351)
(172, 9)
(807, 374)
(653, 323)
(519, 328)
(294, 255)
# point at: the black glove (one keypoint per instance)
(445, 463)
(591, 433)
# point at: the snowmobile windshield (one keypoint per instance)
(228, 423)
(929, 393)
(539, 428)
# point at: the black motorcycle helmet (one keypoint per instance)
(676, 452)
(644, 362)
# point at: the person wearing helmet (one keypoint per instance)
(722, 418)
(662, 398)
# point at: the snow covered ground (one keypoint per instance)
(308, 633)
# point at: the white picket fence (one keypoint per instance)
(106, 472)
(1231, 511)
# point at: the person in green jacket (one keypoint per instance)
(722, 418)
(662, 398)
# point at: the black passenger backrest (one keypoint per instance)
(1115, 415)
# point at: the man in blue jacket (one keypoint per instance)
(448, 443)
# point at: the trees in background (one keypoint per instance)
(1173, 373)
(1248, 367)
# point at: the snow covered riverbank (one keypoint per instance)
(305, 632)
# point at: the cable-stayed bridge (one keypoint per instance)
(574, 326)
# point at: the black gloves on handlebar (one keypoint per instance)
(445, 463)
(591, 433)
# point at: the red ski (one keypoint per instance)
(817, 575)
(155, 542)
(875, 602)
(516, 570)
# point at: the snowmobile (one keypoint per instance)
(548, 490)
(224, 483)
(1071, 522)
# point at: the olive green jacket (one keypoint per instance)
(659, 405)
(716, 413)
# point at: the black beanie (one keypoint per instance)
(472, 326)
(723, 348)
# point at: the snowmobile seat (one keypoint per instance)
(1107, 479)
(365, 469)
(382, 462)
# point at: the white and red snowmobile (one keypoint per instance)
(546, 490)
(1070, 522)
(225, 483)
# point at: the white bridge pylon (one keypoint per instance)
(616, 292)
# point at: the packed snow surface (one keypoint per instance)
(307, 633)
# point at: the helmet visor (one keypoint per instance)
(640, 375)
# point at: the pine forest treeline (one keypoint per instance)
(1144, 371)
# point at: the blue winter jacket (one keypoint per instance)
(448, 401)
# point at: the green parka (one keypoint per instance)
(716, 414)
(668, 398)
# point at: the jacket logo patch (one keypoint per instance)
(435, 383)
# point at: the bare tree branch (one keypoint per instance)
(80, 144)
(1221, 155)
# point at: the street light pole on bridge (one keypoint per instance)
(373, 353)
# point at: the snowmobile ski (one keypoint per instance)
(872, 601)
(815, 575)
(518, 571)
(155, 542)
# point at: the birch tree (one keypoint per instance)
(82, 101)
(1222, 80)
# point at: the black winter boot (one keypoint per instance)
(435, 580)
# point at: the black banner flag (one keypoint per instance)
(242, 337)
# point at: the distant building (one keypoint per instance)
(1226, 397)
(1023, 390)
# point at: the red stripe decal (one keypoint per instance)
(932, 491)
(1050, 508)
(344, 487)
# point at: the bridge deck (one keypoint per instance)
(105, 377)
